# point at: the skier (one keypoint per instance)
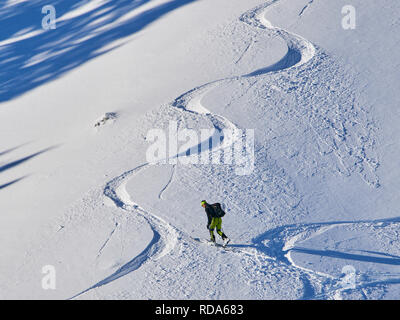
(214, 215)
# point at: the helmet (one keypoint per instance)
(203, 202)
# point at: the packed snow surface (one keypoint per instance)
(312, 215)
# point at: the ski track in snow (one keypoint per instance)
(306, 7)
(168, 183)
(108, 239)
(281, 241)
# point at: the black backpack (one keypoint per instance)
(219, 213)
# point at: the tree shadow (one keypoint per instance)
(22, 160)
(18, 162)
(2, 153)
(5, 185)
(380, 253)
(44, 55)
(348, 256)
(273, 242)
(278, 242)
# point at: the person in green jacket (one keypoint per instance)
(214, 217)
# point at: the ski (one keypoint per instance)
(211, 243)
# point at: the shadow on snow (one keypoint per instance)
(44, 56)
(15, 163)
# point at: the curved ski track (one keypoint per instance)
(300, 51)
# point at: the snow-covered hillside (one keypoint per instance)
(311, 201)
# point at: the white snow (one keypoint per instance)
(76, 189)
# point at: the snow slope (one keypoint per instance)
(320, 197)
